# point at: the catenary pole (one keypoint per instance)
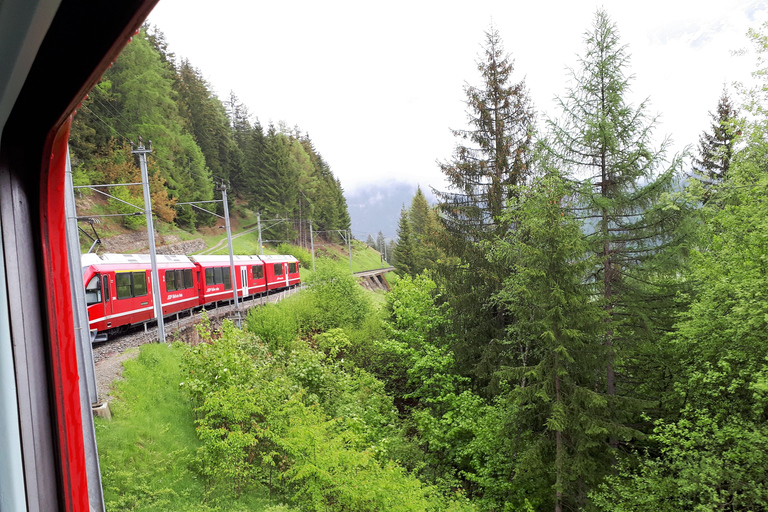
(142, 152)
(312, 245)
(223, 189)
(261, 244)
(349, 247)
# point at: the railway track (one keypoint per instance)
(176, 324)
(108, 355)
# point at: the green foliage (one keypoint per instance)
(301, 254)
(273, 324)
(147, 450)
(299, 424)
(340, 300)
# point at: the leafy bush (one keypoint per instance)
(301, 424)
(340, 300)
(274, 324)
(301, 254)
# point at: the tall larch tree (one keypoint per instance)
(492, 156)
(605, 144)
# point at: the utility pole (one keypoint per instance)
(349, 248)
(223, 189)
(261, 244)
(312, 245)
(142, 152)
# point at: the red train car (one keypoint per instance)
(281, 271)
(118, 288)
(215, 278)
(251, 278)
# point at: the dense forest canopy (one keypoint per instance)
(198, 141)
(605, 302)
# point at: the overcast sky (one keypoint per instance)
(378, 85)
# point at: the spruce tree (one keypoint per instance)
(491, 158)
(552, 389)
(424, 227)
(404, 249)
(716, 148)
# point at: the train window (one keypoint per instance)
(292, 268)
(227, 278)
(278, 269)
(209, 276)
(106, 288)
(170, 280)
(93, 291)
(188, 280)
(257, 271)
(218, 278)
(123, 285)
(139, 284)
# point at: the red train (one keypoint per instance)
(118, 287)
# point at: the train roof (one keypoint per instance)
(127, 259)
(218, 258)
(274, 258)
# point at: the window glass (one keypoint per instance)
(257, 272)
(123, 285)
(106, 288)
(170, 280)
(188, 280)
(209, 276)
(139, 284)
(292, 268)
(227, 279)
(93, 291)
(218, 278)
(278, 269)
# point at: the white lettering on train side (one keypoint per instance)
(175, 296)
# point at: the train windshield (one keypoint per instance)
(93, 290)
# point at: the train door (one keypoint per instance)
(94, 301)
(106, 291)
(244, 277)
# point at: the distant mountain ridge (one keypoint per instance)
(376, 207)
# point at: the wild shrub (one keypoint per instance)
(301, 423)
(301, 254)
(340, 300)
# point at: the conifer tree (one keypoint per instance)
(716, 148)
(491, 158)
(553, 389)
(206, 119)
(404, 250)
(424, 228)
(605, 143)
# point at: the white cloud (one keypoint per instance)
(377, 86)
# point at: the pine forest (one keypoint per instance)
(199, 142)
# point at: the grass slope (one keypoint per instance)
(147, 451)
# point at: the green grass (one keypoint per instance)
(147, 451)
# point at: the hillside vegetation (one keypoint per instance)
(198, 142)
